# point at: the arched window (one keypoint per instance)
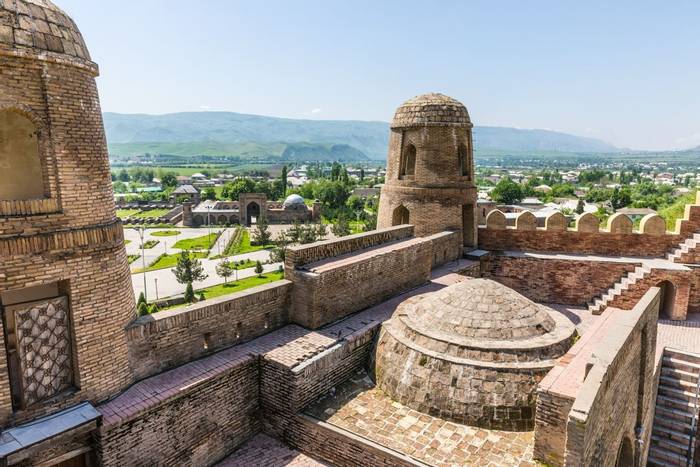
(464, 162)
(668, 299)
(400, 216)
(21, 176)
(408, 161)
(625, 454)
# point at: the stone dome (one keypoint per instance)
(431, 109)
(472, 352)
(293, 200)
(38, 27)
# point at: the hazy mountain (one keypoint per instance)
(255, 136)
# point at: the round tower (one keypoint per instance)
(65, 288)
(430, 169)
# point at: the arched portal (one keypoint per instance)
(464, 162)
(408, 161)
(625, 455)
(222, 219)
(252, 212)
(21, 176)
(401, 216)
(668, 299)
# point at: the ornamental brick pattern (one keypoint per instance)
(43, 338)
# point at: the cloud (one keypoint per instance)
(316, 111)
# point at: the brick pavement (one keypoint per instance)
(264, 451)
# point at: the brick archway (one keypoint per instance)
(668, 299)
(400, 216)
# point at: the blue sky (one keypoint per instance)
(627, 72)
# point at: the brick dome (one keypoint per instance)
(432, 109)
(481, 308)
(472, 352)
(38, 27)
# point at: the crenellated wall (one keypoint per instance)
(617, 239)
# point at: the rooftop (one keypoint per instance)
(431, 109)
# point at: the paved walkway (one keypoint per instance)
(264, 451)
(168, 286)
(657, 263)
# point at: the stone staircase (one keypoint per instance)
(598, 305)
(675, 418)
(685, 248)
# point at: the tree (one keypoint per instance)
(142, 309)
(189, 293)
(507, 192)
(580, 207)
(283, 180)
(321, 231)
(189, 269)
(123, 175)
(341, 228)
(209, 193)
(168, 180)
(355, 203)
(262, 234)
(233, 190)
(258, 268)
(362, 174)
(225, 269)
(142, 299)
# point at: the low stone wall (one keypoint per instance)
(170, 338)
(354, 282)
(447, 247)
(618, 392)
(199, 425)
(564, 281)
(297, 256)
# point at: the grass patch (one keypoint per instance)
(169, 261)
(198, 243)
(151, 214)
(150, 226)
(124, 213)
(676, 210)
(126, 242)
(239, 244)
(148, 244)
(165, 233)
(247, 283)
(133, 258)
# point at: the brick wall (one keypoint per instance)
(562, 281)
(352, 283)
(618, 392)
(199, 426)
(570, 241)
(170, 338)
(297, 256)
(447, 247)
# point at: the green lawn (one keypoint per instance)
(124, 213)
(126, 242)
(152, 214)
(169, 261)
(233, 287)
(133, 258)
(148, 244)
(165, 233)
(198, 243)
(676, 210)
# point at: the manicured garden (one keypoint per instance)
(169, 261)
(247, 283)
(151, 214)
(198, 243)
(124, 213)
(148, 244)
(240, 243)
(165, 233)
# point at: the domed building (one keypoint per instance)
(472, 353)
(293, 200)
(430, 170)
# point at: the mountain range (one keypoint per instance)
(259, 137)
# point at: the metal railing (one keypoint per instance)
(693, 425)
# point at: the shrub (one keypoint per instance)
(142, 309)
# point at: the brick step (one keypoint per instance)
(678, 383)
(682, 355)
(672, 424)
(675, 415)
(688, 396)
(665, 458)
(679, 374)
(673, 403)
(684, 365)
(672, 434)
(670, 445)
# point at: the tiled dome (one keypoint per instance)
(481, 308)
(431, 109)
(40, 27)
(292, 200)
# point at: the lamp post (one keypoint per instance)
(141, 232)
(156, 279)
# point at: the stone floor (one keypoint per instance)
(263, 451)
(357, 406)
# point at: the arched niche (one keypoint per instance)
(21, 175)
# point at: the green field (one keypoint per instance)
(240, 243)
(152, 214)
(124, 213)
(198, 243)
(133, 258)
(233, 287)
(148, 244)
(165, 233)
(168, 261)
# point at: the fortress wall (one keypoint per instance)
(571, 241)
(297, 256)
(447, 247)
(351, 284)
(198, 425)
(619, 386)
(170, 338)
(564, 281)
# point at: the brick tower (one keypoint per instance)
(430, 169)
(65, 289)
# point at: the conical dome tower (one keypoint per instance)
(65, 289)
(430, 169)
